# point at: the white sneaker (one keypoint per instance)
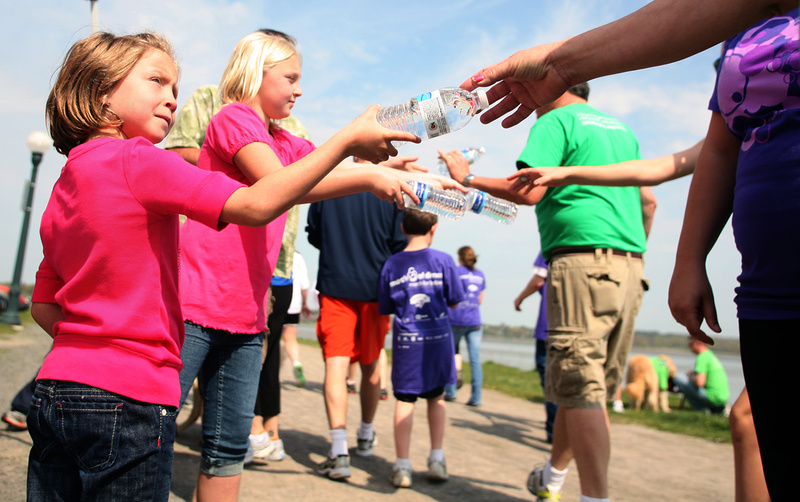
(262, 447)
(437, 470)
(618, 407)
(401, 477)
(278, 453)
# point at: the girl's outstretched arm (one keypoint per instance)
(644, 172)
(277, 188)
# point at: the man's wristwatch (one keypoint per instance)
(467, 179)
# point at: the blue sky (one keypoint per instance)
(358, 53)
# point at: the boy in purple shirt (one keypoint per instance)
(418, 285)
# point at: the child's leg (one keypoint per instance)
(436, 416)
(403, 420)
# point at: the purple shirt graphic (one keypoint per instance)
(468, 312)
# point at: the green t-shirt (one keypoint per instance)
(716, 380)
(583, 215)
(662, 372)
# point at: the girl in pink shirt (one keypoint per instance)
(225, 275)
(103, 414)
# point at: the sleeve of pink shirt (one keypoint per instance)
(47, 284)
(166, 184)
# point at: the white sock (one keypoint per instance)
(403, 463)
(437, 455)
(365, 431)
(338, 442)
(553, 476)
(584, 498)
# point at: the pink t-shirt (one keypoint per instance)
(110, 240)
(225, 275)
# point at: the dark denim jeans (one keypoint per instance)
(91, 444)
(550, 408)
(227, 365)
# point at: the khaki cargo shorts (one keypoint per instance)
(592, 303)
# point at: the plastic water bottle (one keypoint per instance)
(472, 154)
(449, 204)
(496, 208)
(434, 113)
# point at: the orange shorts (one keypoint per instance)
(350, 328)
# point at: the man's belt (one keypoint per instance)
(589, 250)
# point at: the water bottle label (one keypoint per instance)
(478, 202)
(422, 191)
(431, 107)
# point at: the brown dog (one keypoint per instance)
(642, 382)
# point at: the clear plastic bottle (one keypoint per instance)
(472, 154)
(434, 113)
(496, 208)
(449, 204)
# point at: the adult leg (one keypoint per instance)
(474, 336)
(451, 391)
(748, 471)
(268, 400)
(335, 391)
(766, 366)
(290, 342)
(370, 391)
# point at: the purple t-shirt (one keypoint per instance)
(758, 95)
(468, 312)
(540, 331)
(417, 287)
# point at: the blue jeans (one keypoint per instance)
(91, 444)
(696, 395)
(473, 334)
(550, 408)
(227, 365)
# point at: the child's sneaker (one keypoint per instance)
(401, 477)
(278, 453)
(384, 395)
(536, 486)
(335, 468)
(366, 447)
(351, 388)
(16, 420)
(299, 377)
(437, 470)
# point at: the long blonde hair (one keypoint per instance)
(254, 54)
(93, 66)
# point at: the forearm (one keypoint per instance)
(47, 315)
(710, 199)
(649, 204)
(501, 187)
(661, 32)
(191, 155)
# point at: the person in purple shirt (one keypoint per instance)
(466, 323)
(538, 283)
(749, 168)
(417, 286)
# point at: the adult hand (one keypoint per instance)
(521, 83)
(526, 179)
(691, 300)
(457, 164)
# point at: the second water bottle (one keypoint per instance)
(449, 204)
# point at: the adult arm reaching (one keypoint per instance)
(661, 32)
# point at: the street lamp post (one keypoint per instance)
(38, 144)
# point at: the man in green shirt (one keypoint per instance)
(593, 238)
(705, 387)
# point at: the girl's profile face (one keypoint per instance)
(146, 99)
(280, 88)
